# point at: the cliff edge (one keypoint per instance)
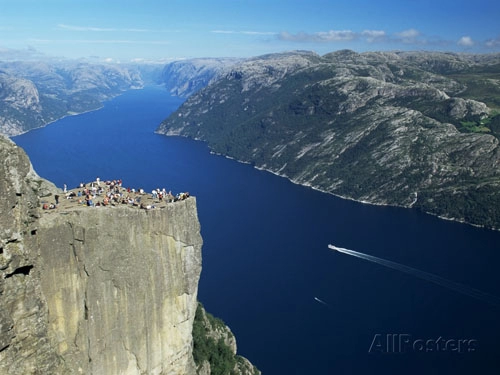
(93, 290)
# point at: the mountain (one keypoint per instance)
(35, 93)
(185, 77)
(410, 129)
(109, 290)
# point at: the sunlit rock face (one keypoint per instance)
(93, 290)
(121, 286)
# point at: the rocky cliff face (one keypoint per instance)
(93, 290)
(25, 347)
(215, 348)
(185, 77)
(410, 129)
(121, 297)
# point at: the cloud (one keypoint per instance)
(29, 53)
(410, 33)
(84, 28)
(98, 41)
(465, 41)
(100, 29)
(243, 32)
(492, 43)
(409, 36)
(374, 35)
(332, 36)
(322, 36)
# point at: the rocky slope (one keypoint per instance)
(411, 129)
(185, 77)
(33, 94)
(215, 348)
(93, 290)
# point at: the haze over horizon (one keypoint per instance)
(166, 30)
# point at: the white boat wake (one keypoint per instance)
(452, 285)
(321, 301)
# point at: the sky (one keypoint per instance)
(159, 30)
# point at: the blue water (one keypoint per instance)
(265, 255)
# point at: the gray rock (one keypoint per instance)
(185, 77)
(378, 127)
(33, 94)
(93, 290)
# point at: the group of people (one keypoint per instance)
(113, 193)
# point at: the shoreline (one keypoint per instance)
(310, 186)
(60, 118)
(70, 114)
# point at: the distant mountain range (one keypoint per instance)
(33, 94)
(185, 77)
(411, 129)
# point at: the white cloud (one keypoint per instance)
(336, 35)
(29, 53)
(410, 36)
(322, 36)
(243, 32)
(97, 41)
(83, 28)
(465, 41)
(492, 43)
(374, 35)
(100, 29)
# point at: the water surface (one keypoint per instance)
(265, 255)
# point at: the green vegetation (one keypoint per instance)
(476, 205)
(474, 127)
(366, 129)
(481, 84)
(220, 356)
(490, 124)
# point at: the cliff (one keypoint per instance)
(122, 297)
(410, 129)
(185, 77)
(24, 331)
(93, 290)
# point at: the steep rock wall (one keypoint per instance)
(98, 290)
(122, 297)
(93, 290)
(24, 345)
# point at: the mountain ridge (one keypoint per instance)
(34, 94)
(410, 129)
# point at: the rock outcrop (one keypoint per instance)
(122, 297)
(93, 290)
(25, 347)
(185, 77)
(215, 347)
